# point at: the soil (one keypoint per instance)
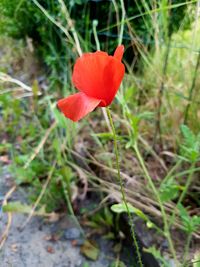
(35, 246)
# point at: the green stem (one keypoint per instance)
(156, 193)
(182, 196)
(94, 28)
(188, 182)
(169, 174)
(122, 22)
(122, 188)
(187, 246)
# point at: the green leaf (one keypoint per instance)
(156, 253)
(105, 136)
(195, 222)
(17, 207)
(134, 122)
(183, 212)
(24, 176)
(150, 225)
(129, 94)
(121, 207)
(188, 135)
(146, 115)
(89, 250)
(190, 148)
(196, 260)
(190, 223)
(60, 118)
(168, 191)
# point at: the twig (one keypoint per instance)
(117, 14)
(41, 144)
(71, 26)
(160, 96)
(6, 78)
(40, 196)
(6, 231)
(191, 92)
(122, 22)
(112, 170)
(106, 119)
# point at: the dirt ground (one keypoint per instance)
(35, 247)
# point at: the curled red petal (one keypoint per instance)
(99, 75)
(77, 106)
(119, 52)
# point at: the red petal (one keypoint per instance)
(99, 75)
(76, 106)
(119, 52)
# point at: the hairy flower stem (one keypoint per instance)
(156, 193)
(122, 188)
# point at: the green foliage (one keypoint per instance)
(20, 19)
(190, 148)
(190, 223)
(103, 218)
(18, 207)
(121, 207)
(196, 260)
(168, 190)
(134, 121)
(156, 253)
(23, 18)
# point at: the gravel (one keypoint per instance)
(35, 245)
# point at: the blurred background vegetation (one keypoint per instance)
(159, 98)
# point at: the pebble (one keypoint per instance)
(72, 233)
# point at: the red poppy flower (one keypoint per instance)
(97, 76)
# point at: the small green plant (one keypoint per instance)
(190, 225)
(190, 147)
